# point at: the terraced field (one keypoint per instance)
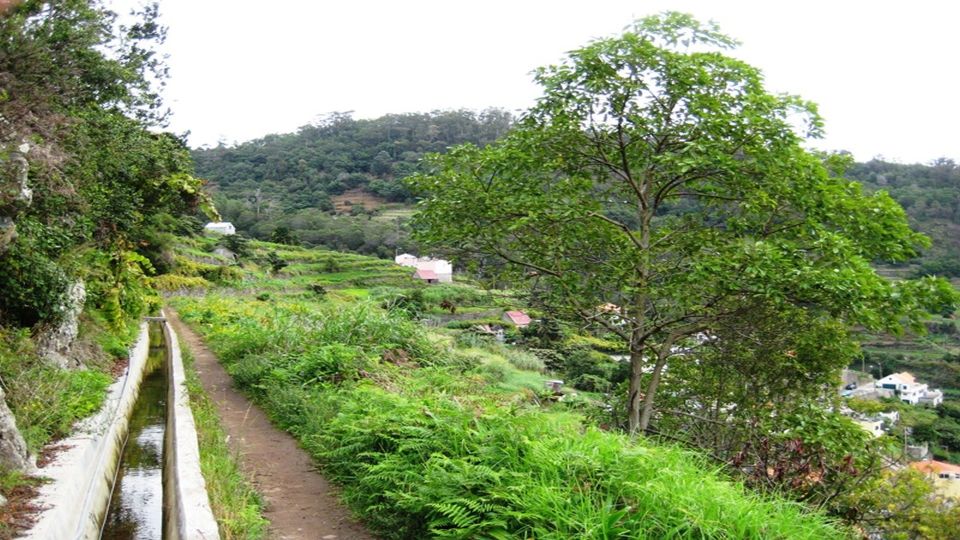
(441, 432)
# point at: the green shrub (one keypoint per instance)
(474, 339)
(581, 361)
(85, 392)
(598, 344)
(176, 282)
(324, 363)
(318, 290)
(420, 467)
(45, 400)
(32, 286)
(591, 383)
(458, 295)
(461, 360)
(493, 371)
(249, 371)
(523, 360)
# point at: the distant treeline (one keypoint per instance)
(288, 181)
(303, 169)
(931, 196)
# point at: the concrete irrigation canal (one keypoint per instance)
(133, 469)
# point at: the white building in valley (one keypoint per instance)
(220, 227)
(442, 269)
(908, 390)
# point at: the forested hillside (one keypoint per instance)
(297, 179)
(931, 196)
(340, 165)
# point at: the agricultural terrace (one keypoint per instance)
(441, 432)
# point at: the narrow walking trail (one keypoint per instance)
(300, 503)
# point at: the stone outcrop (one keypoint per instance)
(13, 450)
(15, 192)
(54, 343)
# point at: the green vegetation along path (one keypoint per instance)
(300, 503)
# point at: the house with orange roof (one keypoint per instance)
(945, 476)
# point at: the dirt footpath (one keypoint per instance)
(300, 503)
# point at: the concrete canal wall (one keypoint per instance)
(76, 498)
(81, 477)
(189, 516)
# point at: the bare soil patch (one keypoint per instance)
(356, 197)
(20, 512)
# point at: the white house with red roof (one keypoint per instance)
(427, 276)
(442, 269)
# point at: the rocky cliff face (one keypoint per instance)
(13, 450)
(54, 344)
(15, 192)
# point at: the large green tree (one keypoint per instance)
(98, 188)
(726, 208)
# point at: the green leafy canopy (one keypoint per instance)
(658, 174)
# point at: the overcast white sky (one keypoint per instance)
(885, 73)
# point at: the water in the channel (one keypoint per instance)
(136, 506)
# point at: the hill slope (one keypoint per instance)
(434, 434)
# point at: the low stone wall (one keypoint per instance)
(76, 498)
(188, 516)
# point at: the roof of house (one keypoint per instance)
(609, 308)
(934, 467)
(902, 377)
(518, 318)
(425, 274)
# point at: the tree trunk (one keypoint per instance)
(635, 397)
(663, 354)
(647, 411)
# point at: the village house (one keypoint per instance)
(908, 390)
(518, 318)
(442, 269)
(220, 227)
(945, 476)
(427, 276)
(873, 427)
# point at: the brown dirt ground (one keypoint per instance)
(20, 512)
(356, 197)
(300, 503)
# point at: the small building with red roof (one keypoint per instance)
(518, 318)
(427, 276)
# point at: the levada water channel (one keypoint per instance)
(136, 505)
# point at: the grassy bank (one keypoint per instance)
(47, 400)
(428, 442)
(236, 504)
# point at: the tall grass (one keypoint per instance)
(45, 399)
(429, 453)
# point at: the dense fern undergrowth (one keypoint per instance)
(426, 443)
